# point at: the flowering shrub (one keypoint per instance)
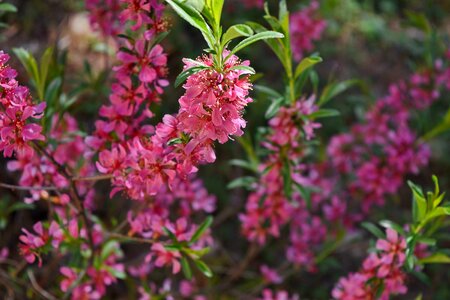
(116, 198)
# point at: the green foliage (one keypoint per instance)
(188, 254)
(8, 207)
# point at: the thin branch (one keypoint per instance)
(38, 288)
(93, 178)
(28, 188)
(74, 193)
(129, 238)
(240, 269)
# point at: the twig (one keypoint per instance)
(129, 238)
(74, 285)
(251, 254)
(28, 188)
(75, 196)
(93, 178)
(38, 288)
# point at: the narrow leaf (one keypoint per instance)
(186, 73)
(236, 31)
(436, 258)
(186, 268)
(246, 181)
(7, 7)
(274, 107)
(306, 63)
(201, 229)
(203, 268)
(257, 37)
(373, 229)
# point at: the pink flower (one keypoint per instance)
(383, 268)
(213, 103)
(270, 275)
(103, 16)
(165, 257)
(180, 230)
(16, 108)
(32, 243)
(277, 295)
(150, 62)
(305, 27)
(70, 276)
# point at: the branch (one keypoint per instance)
(74, 194)
(125, 238)
(38, 288)
(93, 178)
(29, 188)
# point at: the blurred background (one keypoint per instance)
(376, 41)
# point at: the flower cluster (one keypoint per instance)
(305, 27)
(16, 110)
(211, 109)
(103, 16)
(32, 244)
(268, 294)
(93, 283)
(42, 171)
(268, 208)
(375, 156)
(381, 270)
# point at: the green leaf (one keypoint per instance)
(243, 164)
(419, 207)
(305, 193)
(437, 212)
(175, 141)
(246, 69)
(246, 181)
(193, 17)
(287, 177)
(324, 113)
(186, 268)
(196, 62)
(186, 73)
(19, 206)
(274, 107)
(267, 91)
(196, 254)
(305, 64)
(117, 273)
(52, 91)
(421, 276)
(427, 241)
(436, 258)
(236, 31)
(172, 247)
(373, 229)
(201, 229)
(7, 7)
(203, 268)
(45, 62)
(283, 16)
(197, 4)
(334, 89)
(29, 63)
(420, 21)
(436, 184)
(392, 225)
(170, 234)
(108, 248)
(276, 45)
(254, 38)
